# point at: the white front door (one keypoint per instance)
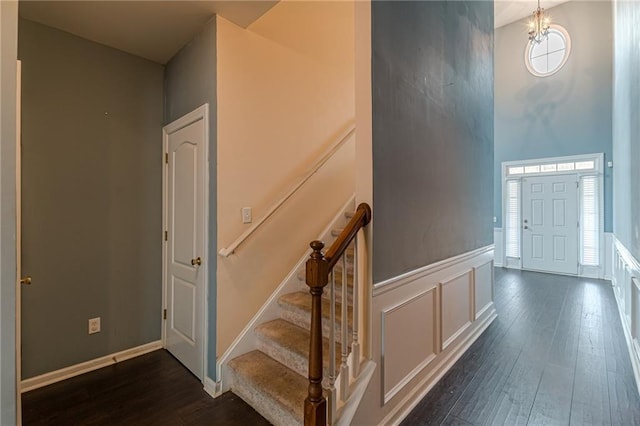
(185, 215)
(550, 223)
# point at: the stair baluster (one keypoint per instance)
(355, 345)
(318, 268)
(344, 335)
(331, 392)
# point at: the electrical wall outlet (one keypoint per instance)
(94, 325)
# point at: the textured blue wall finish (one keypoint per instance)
(567, 113)
(432, 66)
(626, 126)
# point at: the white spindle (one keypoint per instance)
(344, 367)
(331, 397)
(355, 345)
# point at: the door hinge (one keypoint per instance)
(166, 158)
(164, 314)
(166, 235)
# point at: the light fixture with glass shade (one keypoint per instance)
(538, 26)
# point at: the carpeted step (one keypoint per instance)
(338, 287)
(272, 389)
(296, 308)
(289, 344)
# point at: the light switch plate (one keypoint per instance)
(246, 215)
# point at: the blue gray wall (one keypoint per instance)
(432, 82)
(189, 82)
(567, 113)
(626, 126)
(91, 198)
(8, 55)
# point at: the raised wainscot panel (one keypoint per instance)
(483, 284)
(409, 340)
(456, 306)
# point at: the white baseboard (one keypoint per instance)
(85, 367)
(213, 388)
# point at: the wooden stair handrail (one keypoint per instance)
(318, 268)
(228, 251)
(360, 219)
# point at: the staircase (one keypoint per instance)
(273, 379)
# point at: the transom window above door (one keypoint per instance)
(566, 166)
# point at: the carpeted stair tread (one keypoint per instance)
(275, 391)
(301, 301)
(289, 344)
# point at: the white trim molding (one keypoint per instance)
(200, 113)
(87, 366)
(213, 388)
(625, 274)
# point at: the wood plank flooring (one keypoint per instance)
(556, 355)
(154, 389)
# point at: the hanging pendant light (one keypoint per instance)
(538, 26)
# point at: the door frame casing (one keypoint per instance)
(200, 113)
(19, 243)
(598, 158)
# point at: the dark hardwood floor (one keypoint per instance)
(556, 355)
(154, 389)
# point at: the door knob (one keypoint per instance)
(526, 227)
(26, 280)
(196, 261)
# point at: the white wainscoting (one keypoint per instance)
(626, 287)
(423, 321)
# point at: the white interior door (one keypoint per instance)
(185, 262)
(550, 223)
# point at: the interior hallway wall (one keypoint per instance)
(626, 126)
(92, 198)
(567, 113)
(432, 132)
(285, 94)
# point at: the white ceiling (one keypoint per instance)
(157, 30)
(154, 30)
(508, 11)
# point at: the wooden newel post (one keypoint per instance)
(315, 406)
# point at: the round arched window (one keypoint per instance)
(547, 57)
